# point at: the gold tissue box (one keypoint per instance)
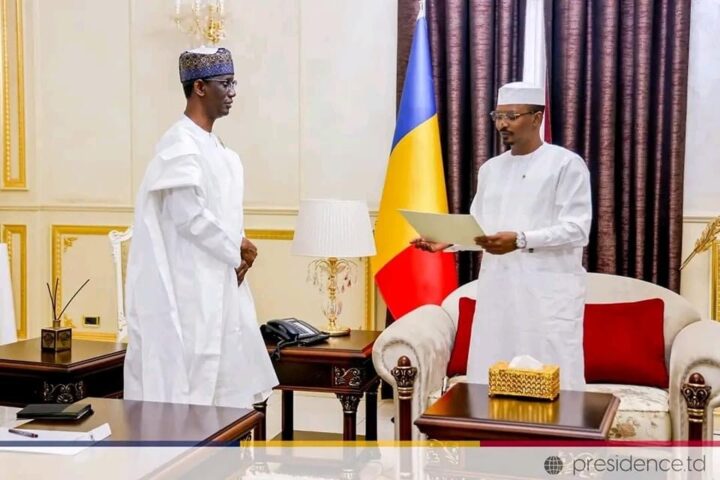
(544, 384)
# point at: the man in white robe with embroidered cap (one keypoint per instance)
(193, 333)
(534, 203)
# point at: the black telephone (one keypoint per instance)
(291, 331)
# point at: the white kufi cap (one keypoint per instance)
(521, 93)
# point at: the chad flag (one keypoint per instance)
(407, 277)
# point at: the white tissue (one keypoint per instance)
(525, 362)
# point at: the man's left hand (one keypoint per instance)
(498, 244)
(241, 271)
(248, 252)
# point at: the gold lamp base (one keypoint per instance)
(330, 268)
(335, 331)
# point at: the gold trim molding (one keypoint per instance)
(98, 208)
(715, 281)
(7, 237)
(704, 219)
(11, 182)
(368, 323)
(62, 238)
(270, 234)
(85, 208)
(95, 336)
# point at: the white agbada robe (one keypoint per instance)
(193, 333)
(531, 301)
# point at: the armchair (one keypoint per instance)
(413, 352)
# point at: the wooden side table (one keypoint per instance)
(343, 366)
(28, 375)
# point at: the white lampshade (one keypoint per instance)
(333, 228)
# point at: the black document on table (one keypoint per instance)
(55, 411)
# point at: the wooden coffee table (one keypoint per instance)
(466, 412)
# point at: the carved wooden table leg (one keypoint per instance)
(287, 415)
(63, 392)
(371, 412)
(404, 375)
(260, 431)
(696, 395)
(349, 403)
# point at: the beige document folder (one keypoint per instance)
(458, 229)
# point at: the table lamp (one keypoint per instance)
(333, 230)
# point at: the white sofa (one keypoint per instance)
(425, 337)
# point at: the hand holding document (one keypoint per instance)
(457, 229)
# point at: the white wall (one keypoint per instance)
(702, 147)
(313, 117)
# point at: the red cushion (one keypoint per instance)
(459, 356)
(624, 343)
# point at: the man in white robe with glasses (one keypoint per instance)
(193, 333)
(533, 202)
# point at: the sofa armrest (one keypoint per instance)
(695, 350)
(425, 336)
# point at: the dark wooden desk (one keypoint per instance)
(168, 435)
(28, 375)
(466, 412)
(137, 422)
(343, 366)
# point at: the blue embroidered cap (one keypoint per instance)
(205, 62)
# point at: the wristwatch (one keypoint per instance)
(520, 241)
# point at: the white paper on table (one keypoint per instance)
(8, 417)
(44, 436)
(458, 229)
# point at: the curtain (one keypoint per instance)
(617, 74)
(476, 47)
(618, 79)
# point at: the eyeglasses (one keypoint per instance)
(226, 84)
(511, 116)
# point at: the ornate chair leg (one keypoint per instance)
(696, 395)
(404, 375)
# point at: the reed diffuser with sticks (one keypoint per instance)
(57, 338)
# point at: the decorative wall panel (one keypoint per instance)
(12, 106)
(15, 236)
(81, 252)
(715, 282)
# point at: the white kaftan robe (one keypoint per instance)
(531, 301)
(193, 333)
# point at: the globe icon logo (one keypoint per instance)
(553, 465)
